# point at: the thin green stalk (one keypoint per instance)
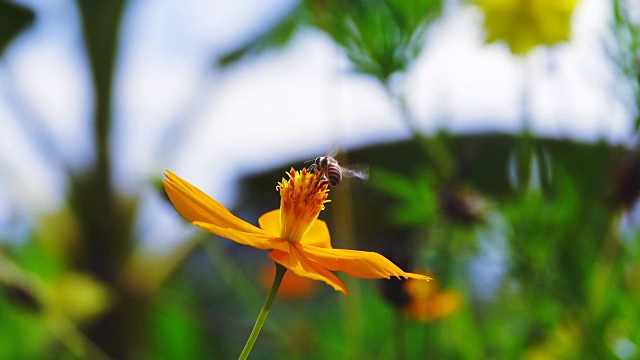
(434, 147)
(280, 271)
(230, 272)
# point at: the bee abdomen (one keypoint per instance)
(335, 175)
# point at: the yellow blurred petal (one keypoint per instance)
(421, 290)
(194, 205)
(261, 241)
(438, 306)
(301, 266)
(79, 296)
(526, 24)
(270, 222)
(361, 264)
(445, 303)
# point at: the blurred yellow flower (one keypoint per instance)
(428, 302)
(564, 341)
(78, 296)
(297, 239)
(525, 24)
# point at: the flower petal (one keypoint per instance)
(194, 205)
(270, 222)
(317, 235)
(295, 261)
(361, 264)
(258, 241)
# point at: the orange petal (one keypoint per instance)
(295, 261)
(270, 222)
(194, 205)
(361, 264)
(317, 235)
(258, 241)
(293, 286)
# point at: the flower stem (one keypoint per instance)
(280, 271)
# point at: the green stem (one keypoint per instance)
(280, 271)
(434, 147)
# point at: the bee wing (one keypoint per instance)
(333, 152)
(361, 171)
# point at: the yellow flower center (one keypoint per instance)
(302, 197)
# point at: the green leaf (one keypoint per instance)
(393, 184)
(380, 37)
(275, 36)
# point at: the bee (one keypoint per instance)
(331, 172)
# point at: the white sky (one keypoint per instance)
(173, 111)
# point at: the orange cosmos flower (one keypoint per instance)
(297, 239)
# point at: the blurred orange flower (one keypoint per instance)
(428, 302)
(525, 24)
(297, 239)
(292, 286)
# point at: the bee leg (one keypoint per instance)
(320, 180)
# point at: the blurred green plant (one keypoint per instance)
(50, 300)
(416, 199)
(625, 49)
(380, 37)
(563, 272)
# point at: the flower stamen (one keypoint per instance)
(301, 200)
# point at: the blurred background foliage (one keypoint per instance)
(533, 243)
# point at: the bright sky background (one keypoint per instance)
(173, 110)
